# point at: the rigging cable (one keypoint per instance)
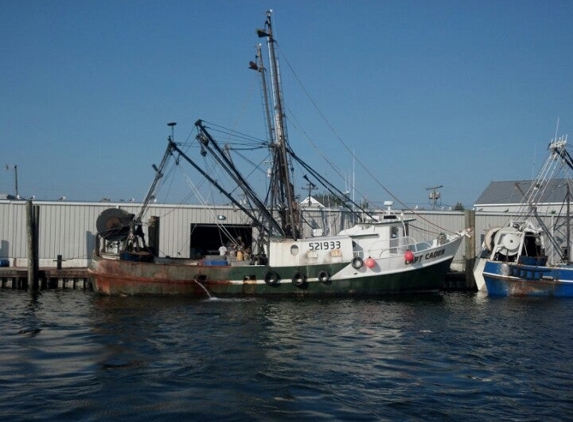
(352, 152)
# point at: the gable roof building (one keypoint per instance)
(311, 202)
(507, 196)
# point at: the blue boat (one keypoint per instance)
(529, 257)
(515, 279)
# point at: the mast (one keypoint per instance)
(259, 66)
(568, 225)
(558, 158)
(281, 186)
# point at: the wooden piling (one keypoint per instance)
(36, 209)
(470, 251)
(32, 222)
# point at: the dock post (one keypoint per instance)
(470, 252)
(32, 220)
(153, 234)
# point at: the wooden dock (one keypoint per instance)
(48, 278)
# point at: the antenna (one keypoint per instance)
(172, 124)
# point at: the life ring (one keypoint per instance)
(272, 278)
(323, 277)
(357, 263)
(298, 279)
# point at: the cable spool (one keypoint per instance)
(489, 238)
(113, 223)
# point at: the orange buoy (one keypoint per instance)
(370, 262)
(409, 257)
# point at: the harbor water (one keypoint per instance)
(77, 356)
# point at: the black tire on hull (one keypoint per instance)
(323, 277)
(298, 279)
(357, 263)
(272, 278)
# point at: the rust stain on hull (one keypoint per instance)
(113, 277)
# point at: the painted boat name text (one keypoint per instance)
(324, 246)
(429, 255)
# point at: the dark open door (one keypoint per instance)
(207, 238)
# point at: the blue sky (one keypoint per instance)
(426, 93)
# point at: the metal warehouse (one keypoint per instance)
(68, 229)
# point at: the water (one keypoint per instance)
(77, 356)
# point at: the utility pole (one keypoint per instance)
(434, 195)
(15, 167)
(310, 186)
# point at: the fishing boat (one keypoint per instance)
(530, 256)
(375, 256)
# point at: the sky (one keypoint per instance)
(424, 93)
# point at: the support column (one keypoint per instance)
(153, 235)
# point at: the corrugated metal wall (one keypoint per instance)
(12, 229)
(69, 229)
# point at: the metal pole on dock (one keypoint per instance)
(32, 220)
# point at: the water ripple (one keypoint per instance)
(78, 356)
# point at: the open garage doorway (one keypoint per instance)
(207, 238)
